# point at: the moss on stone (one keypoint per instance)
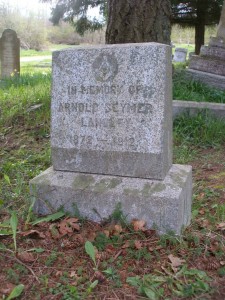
(131, 192)
(83, 181)
(156, 188)
(106, 184)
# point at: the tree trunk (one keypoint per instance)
(200, 25)
(132, 21)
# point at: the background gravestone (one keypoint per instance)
(9, 53)
(209, 66)
(180, 55)
(111, 137)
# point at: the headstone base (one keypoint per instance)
(207, 64)
(213, 80)
(163, 204)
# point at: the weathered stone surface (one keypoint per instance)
(180, 55)
(192, 108)
(213, 52)
(9, 53)
(165, 204)
(213, 80)
(221, 26)
(112, 110)
(217, 42)
(207, 64)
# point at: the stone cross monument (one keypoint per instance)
(9, 53)
(111, 137)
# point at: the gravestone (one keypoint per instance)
(111, 137)
(9, 53)
(180, 55)
(209, 66)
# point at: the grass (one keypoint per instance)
(185, 88)
(128, 263)
(53, 47)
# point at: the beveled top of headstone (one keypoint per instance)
(112, 110)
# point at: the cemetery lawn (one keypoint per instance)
(51, 259)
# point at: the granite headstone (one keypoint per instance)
(111, 137)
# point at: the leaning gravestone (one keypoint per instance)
(111, 137)
(9, 53)
(180, 55)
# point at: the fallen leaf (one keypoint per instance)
(117, 229)
(221, 226)
(33, 234)
(54, 231)
(68, 225)
(138, 225)
(110, 249)
(222, 263)
(99, 276)
(106, 232)
(90, 235)
(126, 245)
(73, 274)
(8, 287)
(175, 262)
(205, 223)
(202, 211)
(58, 273)
(26, 257)
(138, 244)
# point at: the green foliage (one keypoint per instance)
(16, 292)
(200, 130)
(51, 259)
(90, 250)
(188, 12)
(153, 286)
(13, 224)
(50, 218)
(30, 27)
(185, 88)
(75, 12)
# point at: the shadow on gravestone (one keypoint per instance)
(9, 53)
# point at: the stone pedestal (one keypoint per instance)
(164, 205)
(111, 137)
(211, 58)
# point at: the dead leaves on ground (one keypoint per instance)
(176, 262)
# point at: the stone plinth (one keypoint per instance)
(165, 205)
(9, 53)
(210, 63)
(213, 80)
(111, 110)
(207, 64)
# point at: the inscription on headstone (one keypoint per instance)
(111, 114)
(9, 53)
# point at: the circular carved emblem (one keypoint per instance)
(105, 67)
